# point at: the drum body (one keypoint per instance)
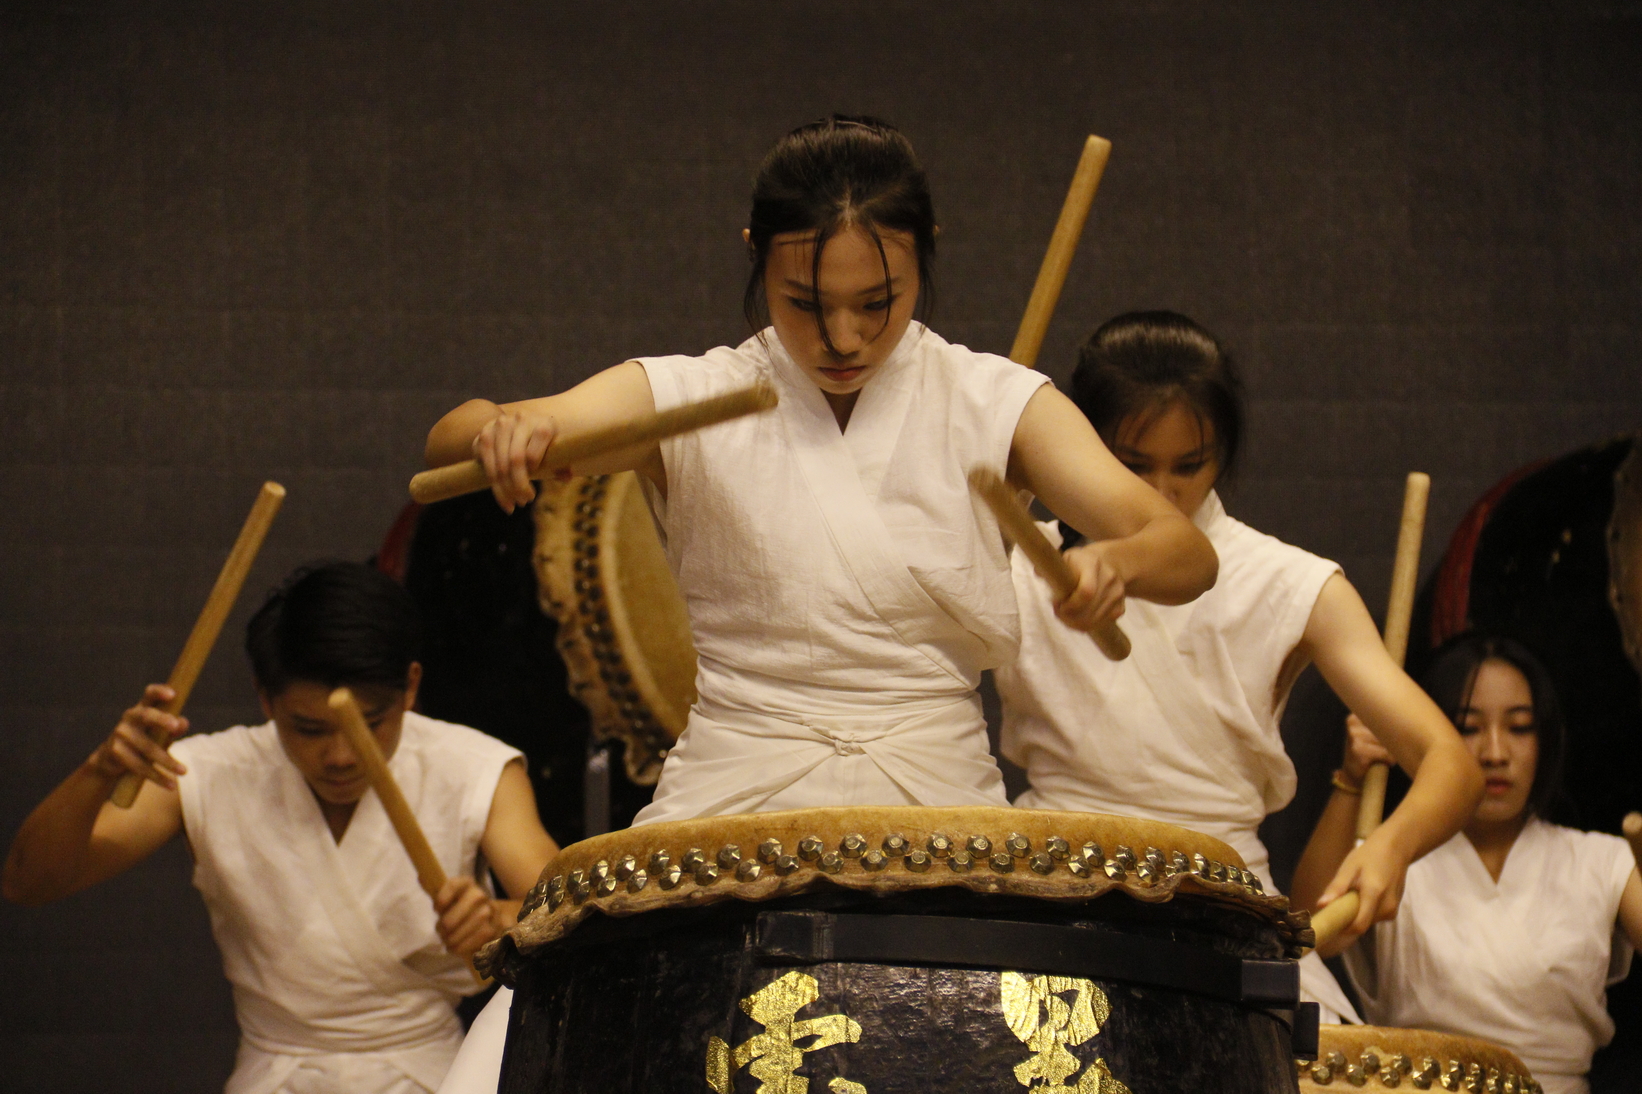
(1378, 1058)
(807, 960)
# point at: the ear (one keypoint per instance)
(413, 680)
(267, 703)
(747, 236)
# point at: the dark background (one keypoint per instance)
(243, 242)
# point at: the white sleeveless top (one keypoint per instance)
(1523, 962)
(845, 590)
(331, 948)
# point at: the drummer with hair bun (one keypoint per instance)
(1186, 730)
(1513, 929)
(844, 589)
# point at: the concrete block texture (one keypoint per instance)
(247, 242)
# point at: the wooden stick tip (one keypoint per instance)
(341, 699)
(1632, 825)
(1095, 142)
(273, 489)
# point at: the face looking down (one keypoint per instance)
(865, 315)
(315, 744)
(1173, 450)
(1498, 726)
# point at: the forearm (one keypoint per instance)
(1168, 561)
(1331, 841)
(1444, 794)
(48, 858)
(451, 439)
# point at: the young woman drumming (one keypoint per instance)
(844, 590)
(1186, 730)
(1512, 930)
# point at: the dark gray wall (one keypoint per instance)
(276, 241)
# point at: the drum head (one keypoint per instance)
(1379, 1058)
(623, 631)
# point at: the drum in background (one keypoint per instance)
(902, 949)
(1378, 1058)
(623, 632)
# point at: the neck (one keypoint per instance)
(842, 406)
(336, 816)
(1493, 840)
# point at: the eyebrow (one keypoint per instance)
(803, 287)
(1199, 453)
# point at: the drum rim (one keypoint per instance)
(1447, 1050)
(711, 859)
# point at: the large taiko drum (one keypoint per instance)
(903, 949)
(1379, 1058)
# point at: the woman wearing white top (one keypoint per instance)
(1512, 930)
(1186, 730)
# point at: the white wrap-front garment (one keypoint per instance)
(845, 591)
(1524, 962)
(1186, 730)
(340, 981)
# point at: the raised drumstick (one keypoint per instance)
(1632, 827)
(1330, 921)
(1398, 614)
(469, 476)
(209, 624)
(429, 873)
(1018, 526)
(1063, 243)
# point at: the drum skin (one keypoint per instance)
(654, 959)
(1382, 1058)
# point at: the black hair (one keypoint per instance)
(337, 624)
(1141, 361)
(841, 172)
(1452, 674)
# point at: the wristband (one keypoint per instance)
(1340, 784)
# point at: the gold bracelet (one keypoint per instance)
(1340, 784)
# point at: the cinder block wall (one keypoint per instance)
(240, 243)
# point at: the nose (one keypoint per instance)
(847, 331)
(339, 753)
(1493, 745)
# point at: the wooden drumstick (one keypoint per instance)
(1632, 827)
(203, 637)
(1398, 615)
(429, 873)
(1063, 243)
(1018, 526)
(1330, 921)
(469, 476)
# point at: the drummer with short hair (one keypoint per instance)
(344, 975)
(1186, 730)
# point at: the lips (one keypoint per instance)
(1497, 786)
(843, 375)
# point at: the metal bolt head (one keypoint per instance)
(1179, 863)
(1002, 862)
(1125, 857)
(1200, 867)
(961, 862)
(607, 886)
(1079, 867)
(1401, 1064)
(786, 864)
(555, 884)
(979, 846)
(625, 867)
(939, 846)
(1354, 1075)
(852, 845)
(1018, 845)
(831, 862)
(600, 871)
(728, 856)
(1390, 1077)
(748, 870)
(1336, 1060)
(1058, 849)
(1322, 1074)
(874, 861)
(1370, 1061)
(1146, 873)
(769, 851)
(554, 899)
(896, 845)
(810, 848)
(706, 873)
(581, 890)
(1217, 871)
(919, 861)
(670, 876)
(1043, 863)
(637, 881)
(1114, 869)
(1092, 852)
(659, 861)
(692, 860)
